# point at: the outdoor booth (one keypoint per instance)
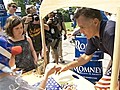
(112, 6)
(47, 6)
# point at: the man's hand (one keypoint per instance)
(28, 18)
(61, 69)
(49, 21)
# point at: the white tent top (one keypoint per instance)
(106, 5)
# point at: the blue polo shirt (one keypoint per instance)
(3, 20)
(105, 42)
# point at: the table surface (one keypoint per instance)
(63, 78)
(79, 81)
(32, 77)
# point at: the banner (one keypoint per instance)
(2, 9)
(91, 71)
(80, 46)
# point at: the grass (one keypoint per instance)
(68, 26)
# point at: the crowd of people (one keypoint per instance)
(54, 24)
(25, 32)
(53, 32)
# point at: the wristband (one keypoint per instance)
(25, 23)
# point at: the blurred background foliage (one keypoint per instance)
(66, 12)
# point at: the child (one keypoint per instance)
(7, 79)
(14, 29)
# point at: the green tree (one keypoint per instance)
(22, 4)
(65, 13)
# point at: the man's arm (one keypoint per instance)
(83, 59)
(26, 20)
(64, 27)
(46, 27)
(58, 26)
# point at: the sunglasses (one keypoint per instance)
(14, 6)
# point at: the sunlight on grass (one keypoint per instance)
(68, 26)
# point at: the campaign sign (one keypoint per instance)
(2, 9)
(80, 46)
(91, 71)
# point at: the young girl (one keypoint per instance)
(14, 29)
(9, 81)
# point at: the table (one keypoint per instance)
(55, 81)
(71, 77)
(80, 82)
(32, 77)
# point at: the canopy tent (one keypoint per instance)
(112, 6)
(106, 5)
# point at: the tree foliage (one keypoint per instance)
(66, 13)
(22, 3)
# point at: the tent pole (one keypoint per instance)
(116, 54)
(43, 41)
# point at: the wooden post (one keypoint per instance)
(43, 40)
(116, 54)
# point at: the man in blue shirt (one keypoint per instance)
(100, 35)
(11, 9)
